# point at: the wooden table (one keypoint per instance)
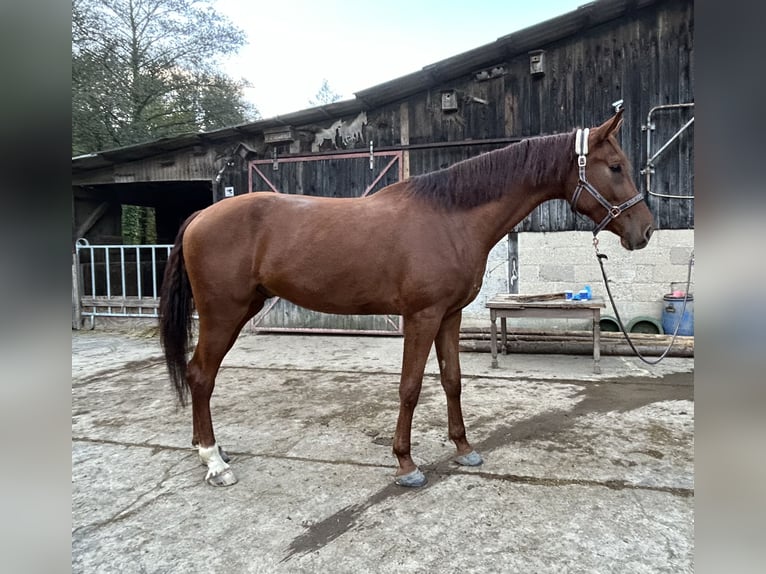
(507, 305)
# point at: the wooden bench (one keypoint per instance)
(506, 305)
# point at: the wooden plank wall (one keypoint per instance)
(644, 58)
(336, 177)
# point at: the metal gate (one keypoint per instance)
(334, 175)
(124, 280)
(116, 280)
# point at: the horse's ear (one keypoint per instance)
(610, 126)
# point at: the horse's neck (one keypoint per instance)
(496, 219)
(512, 182)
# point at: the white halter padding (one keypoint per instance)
(581, 141)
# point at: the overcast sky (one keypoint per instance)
(357, 44)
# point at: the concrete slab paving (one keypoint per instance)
(582, 472)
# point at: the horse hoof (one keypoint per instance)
(412, 479)
(473, 458)
(224, 478)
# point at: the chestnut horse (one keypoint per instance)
(417, 248)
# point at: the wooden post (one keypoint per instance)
(493, 337)
(91, 220)
(513, 262)
(404, 133)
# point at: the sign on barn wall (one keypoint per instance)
(342, 135)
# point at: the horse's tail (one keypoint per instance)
(175, 315)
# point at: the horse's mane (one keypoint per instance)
(488, 176)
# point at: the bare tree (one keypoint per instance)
(325, 95)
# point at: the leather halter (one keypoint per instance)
(612, 211)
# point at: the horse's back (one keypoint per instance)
(357, 255)
(298, 220)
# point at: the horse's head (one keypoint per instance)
(602, 186)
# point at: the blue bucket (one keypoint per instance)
(671, 312)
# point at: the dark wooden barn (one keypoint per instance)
(560, 74)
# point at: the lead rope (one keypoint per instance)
(600, 257)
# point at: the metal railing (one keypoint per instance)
(650, 166)
(116, 280)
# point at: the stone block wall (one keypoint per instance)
(553, 262)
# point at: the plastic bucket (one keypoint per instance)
(671, 311)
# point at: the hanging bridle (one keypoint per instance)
(612, 211)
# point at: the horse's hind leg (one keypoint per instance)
(447, 351)
(218, 330)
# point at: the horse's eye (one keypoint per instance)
(616, 168)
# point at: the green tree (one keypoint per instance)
(147, 69)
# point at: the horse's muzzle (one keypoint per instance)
(641, 242)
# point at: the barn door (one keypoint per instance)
(337, 175)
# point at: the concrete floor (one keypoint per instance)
(582, 472)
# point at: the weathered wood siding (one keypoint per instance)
(336, 177)
(644, 58)
(184, 165)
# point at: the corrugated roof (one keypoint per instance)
(520, 42)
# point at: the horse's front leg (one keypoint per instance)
(448, 352)
(419, 333)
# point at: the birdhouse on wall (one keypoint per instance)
(449, 101)
(537, 62)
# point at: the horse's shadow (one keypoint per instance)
(596, 398)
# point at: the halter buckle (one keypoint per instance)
(581, 161)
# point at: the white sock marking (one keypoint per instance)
(212, 458)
